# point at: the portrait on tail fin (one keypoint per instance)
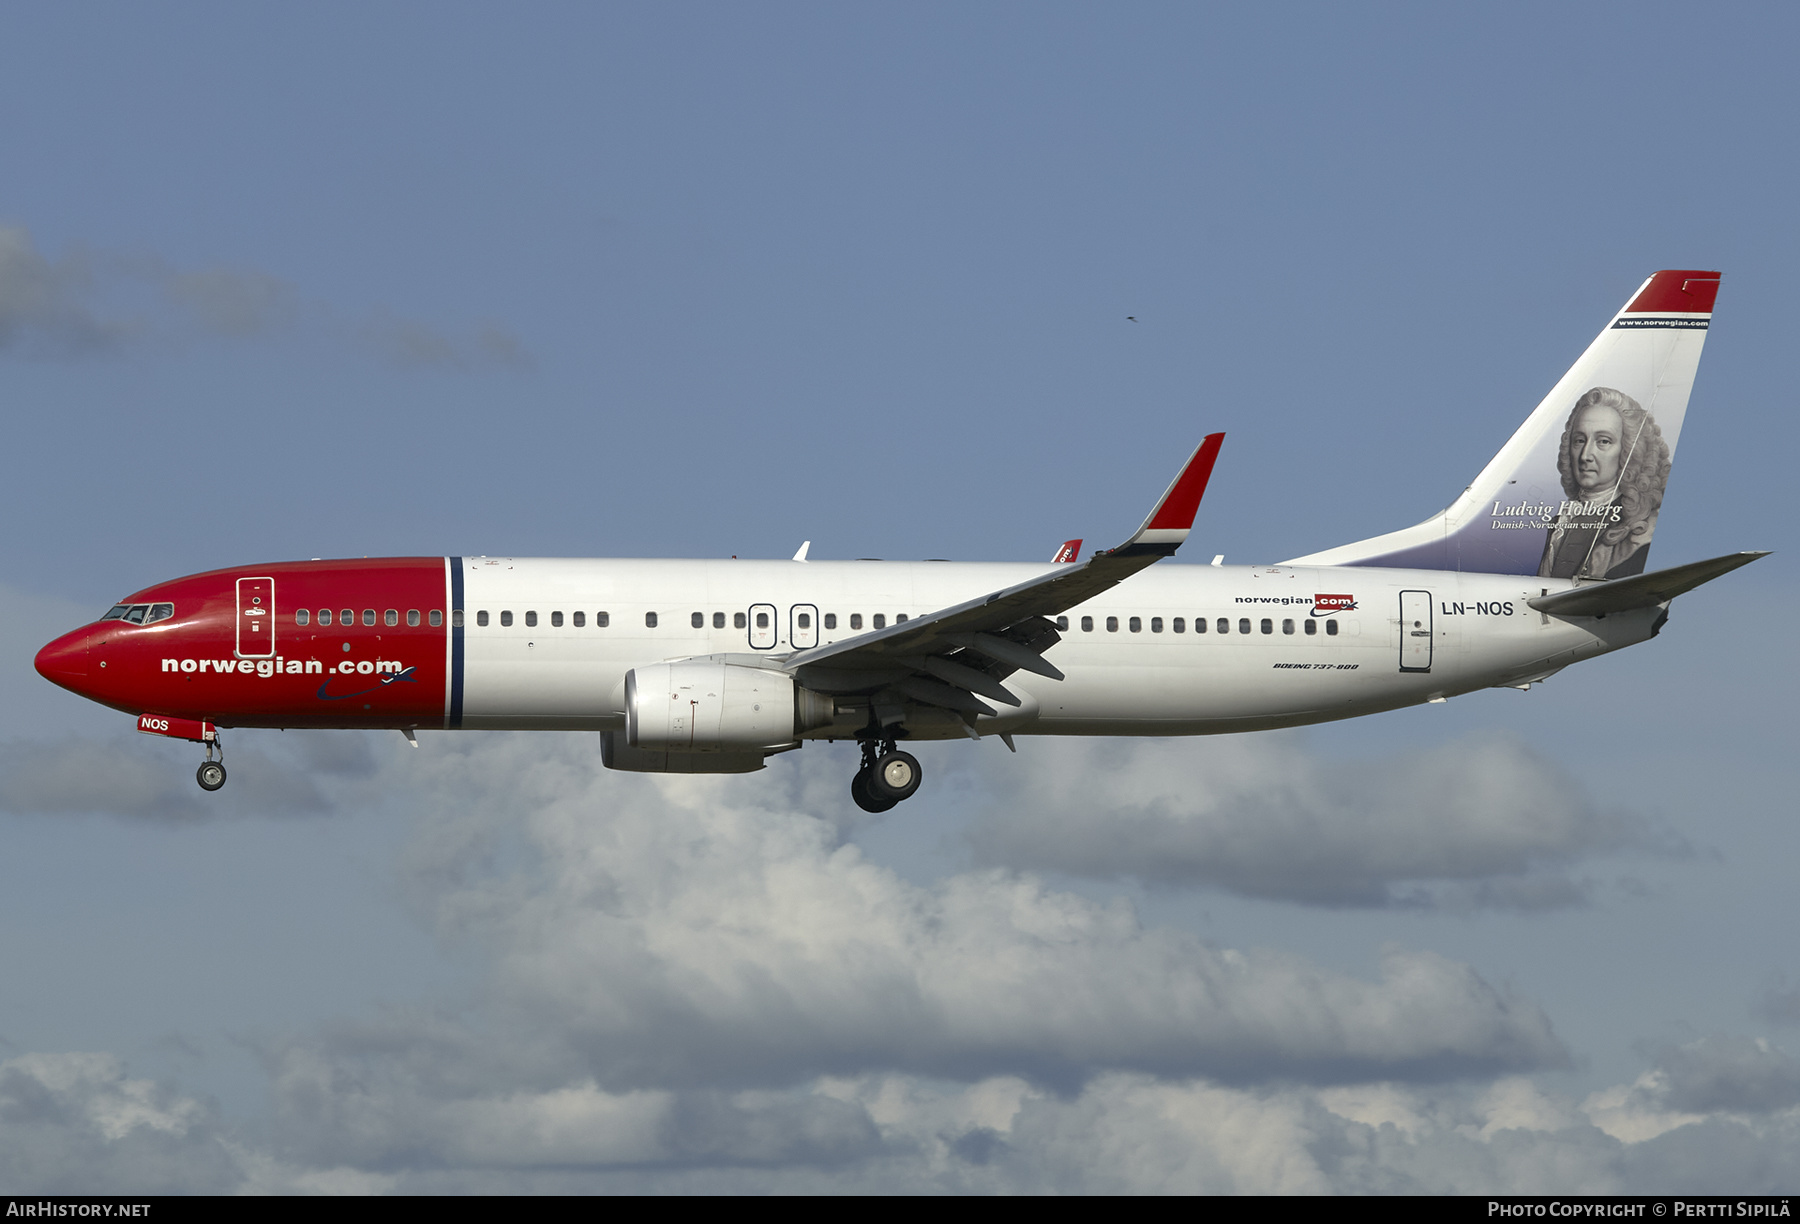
(1614, 465)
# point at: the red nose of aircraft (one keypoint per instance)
(65, 661)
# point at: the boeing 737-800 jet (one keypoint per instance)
(715, 666)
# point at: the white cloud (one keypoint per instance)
(76, 1123)
(1733, 1077)
(43, 301)
(85, 302)
(1478, 823)
(689, 984)
(698, 930)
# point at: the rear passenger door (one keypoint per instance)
(1415, 631)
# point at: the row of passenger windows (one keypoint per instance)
(740, 620)
(1179, 625)
(696, 620)
(347, 616)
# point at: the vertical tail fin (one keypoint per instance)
(1577, 490)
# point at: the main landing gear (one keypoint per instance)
(211, 774)
(887, 776)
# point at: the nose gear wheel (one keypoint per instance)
(211, 774)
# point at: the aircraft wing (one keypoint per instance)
(1639, 590)
(947, 657)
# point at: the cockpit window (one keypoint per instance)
(140, 614)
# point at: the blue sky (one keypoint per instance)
(697, 280)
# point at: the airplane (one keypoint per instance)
(714, 666)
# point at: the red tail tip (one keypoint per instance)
(1677, 292)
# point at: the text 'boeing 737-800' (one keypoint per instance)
(715, 666)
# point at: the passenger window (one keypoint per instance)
(1330, 628)
(856, 620)
(1287, 626)
(1135, 624)
(456, 618)
(324, 616)
(531, 620)
(831, 620)
(1087, 624)
(412, 617)
(481, 619)
(762, 620)
(1244, 624)
(437, 617)
(602, 620)
(506, 620)
(900, 619)
(879, 621)
(1312, 627)
(1199, 624)
(391, 617)
(1112, 624)
(556, 620)
(718, 620)
(1268, 626)
(368, 616)
(805, 619)
(649, 620)
(578, 619)
(1178, 625)
(1062, 622)
(739, 621)
(302, 616)
(347, 617)
(698, 620)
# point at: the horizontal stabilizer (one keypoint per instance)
(1640, 590)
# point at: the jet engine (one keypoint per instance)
(709, 705)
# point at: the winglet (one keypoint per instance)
(1168, 525)
(1068, 554)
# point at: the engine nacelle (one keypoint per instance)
(708, 705)
(615, 753)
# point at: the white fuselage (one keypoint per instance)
(1461, 632)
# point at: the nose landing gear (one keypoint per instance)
(886, 777)
(211, 774)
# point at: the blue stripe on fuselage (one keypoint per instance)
(456, 643)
